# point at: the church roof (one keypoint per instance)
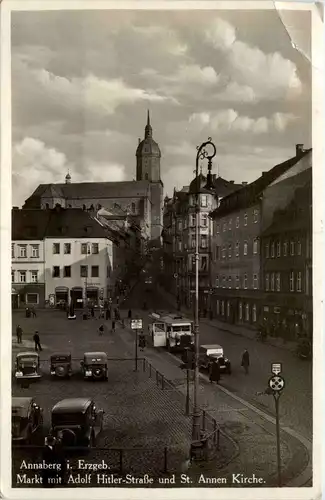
(148, 146)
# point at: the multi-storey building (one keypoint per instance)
(180, 238)
(238, 225)
(287, 265)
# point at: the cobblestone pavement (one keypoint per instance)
(296, 401)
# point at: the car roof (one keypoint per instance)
(22, 402)
(211, 346)
(72, 404)
(60, 354)
(95, 354)
(27, 353)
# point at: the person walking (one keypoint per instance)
(37, 341)
(129, 314)
(245, 361)
(92, 310)
(214, 371)
(101, 330)
(113, 326)
(107, 314)
(50, 458)
(142, 341)
(33, 312)
(19, 333)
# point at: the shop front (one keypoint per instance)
(76, 295)
(61, 295)
(92, 295)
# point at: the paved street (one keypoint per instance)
(296, 401)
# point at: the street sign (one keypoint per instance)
(276, 383)
(136, 324)
(276, 368)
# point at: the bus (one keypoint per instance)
(174, 332)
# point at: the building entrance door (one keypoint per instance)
(76, 298)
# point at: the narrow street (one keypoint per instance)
(296, 400)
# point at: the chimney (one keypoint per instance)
(299, 149)
(244, 183)
(264, 173)
(139, 140)
(15, 208)
(231, 182)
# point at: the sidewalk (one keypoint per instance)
(234, 329)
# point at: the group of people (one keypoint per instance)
(141, 336)
(36, 338)
(30, 312)
(215, 372)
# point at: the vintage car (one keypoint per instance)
(60, 364)
(214, 351)
(94, 366)
(27, 366)
(76, 422)
(27, 419)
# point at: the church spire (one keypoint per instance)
(148, 129)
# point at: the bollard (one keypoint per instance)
(157, 378)
(162, 382)
(214, 431)
(121, 461)
(150, 370)
(203, 420)
(165, 459)
(218, 439)
(144, 364)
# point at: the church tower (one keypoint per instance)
(148, 169)
(148, 156)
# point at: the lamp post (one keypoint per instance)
(201, 154)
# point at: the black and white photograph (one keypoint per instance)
(165, 331)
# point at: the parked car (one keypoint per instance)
(60, 364)
(27, 418)
(76, 422)
(27, 366)
(94, 366)
(214, 351)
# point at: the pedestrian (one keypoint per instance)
(129, 314)
(113, 325)
(27, 312)
(214, 371)
(92, 311)
(33, 312)
(142, 341)
(101, 330)
(245, 361)
(107, 314)
(123, 323)
(51, 459)
(37, 341)
(19, 333)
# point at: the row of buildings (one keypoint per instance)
(255, 247)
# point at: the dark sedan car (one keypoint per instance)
(94, 366)
(27, 419)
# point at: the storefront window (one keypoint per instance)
(228, 309)
(222, 308)
(240, 311)
(247, 312)
(254, 313)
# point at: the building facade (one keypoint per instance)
(141, 198)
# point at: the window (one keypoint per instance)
(204, 200)
(267, 250)
(204, 220)
(217, 281)
(35, 251)
(22, 276)
(218, 228)
(247, 312)
(237, 222)
(133, 208)
(267, 282)
(84, 248)
(237, 248)
(67, 272)
(222, 308)
(245, 219)
(255, 216)
(228, 308)
(56, 272)
(298, 247)
(12, 276)
(180, 225)
(255, 246)
(229, 281)
(237, 282)
(193, 219)
(204, 263)
(94, 271)
(272, 249)
(292, 281)
(218, 307)
(245, 281)
(240, 311)
(298, 281)
(278, 282)
(254, 313)
(22, 251)
(223, 252)
(34, 276)
(56, 248)
(285, 248)
(84, 271)
(223, 281)
(224, 227)
(179, 246)
(278, 249)
(272, 282)
(229, 224)
(292, 247)
(204, 241)
(245, 247)
(229, 250)
(193, 242)
(32, 298)
(67, 248)
(217, 252)
(255, 281)
(12, 250)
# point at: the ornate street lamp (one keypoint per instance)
(202, 153)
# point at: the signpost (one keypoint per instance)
(276, 384)
(136, 324)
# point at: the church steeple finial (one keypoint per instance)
(148, 129)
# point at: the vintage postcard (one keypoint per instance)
(161, 197)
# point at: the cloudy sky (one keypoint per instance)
(82, 83)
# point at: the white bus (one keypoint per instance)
(172, 331)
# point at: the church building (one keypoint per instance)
(140, 199)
